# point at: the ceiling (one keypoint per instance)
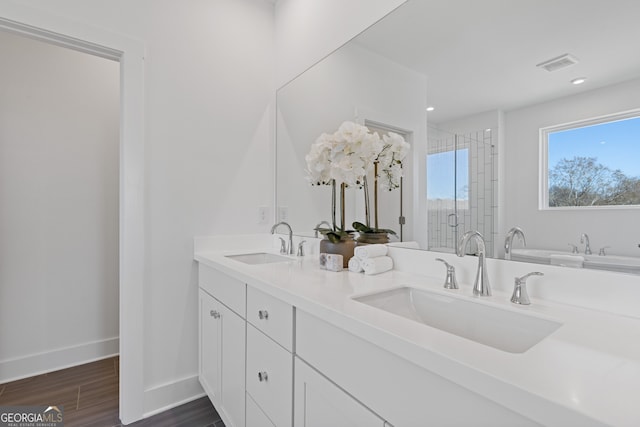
(481, 55)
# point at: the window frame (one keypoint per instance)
(543, 186)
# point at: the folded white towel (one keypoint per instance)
(575, 261)
(409, 245)
(370, 251)
(376, 265)
(355, 265)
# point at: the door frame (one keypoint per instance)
(129, 53)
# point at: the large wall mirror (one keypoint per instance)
(496, 73)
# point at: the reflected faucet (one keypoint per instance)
(508, 241)
(585, 239)
(289, 250)
(481, 287)
(318, 226)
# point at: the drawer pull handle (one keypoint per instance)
(262, 376)
(214, 314)
(263, 314)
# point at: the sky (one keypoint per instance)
(614, 144)
(440, 174)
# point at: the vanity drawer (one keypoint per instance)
(270, 377)
(272, 316)
(229, 291)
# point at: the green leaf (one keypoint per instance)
(361, 228)
(333, 237)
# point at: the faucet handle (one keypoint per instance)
(301, 248)
(520, 295)
(602, 252)
(283, 246)
(574, 248)
(450, 281)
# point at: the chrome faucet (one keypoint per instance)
(450, 281)
(520, 295)
(508, 241)
(288, 250)
(318, 226)
(481, 287)
(585, 239)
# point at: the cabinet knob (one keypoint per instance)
(263, 314)
(262, 376)
(214, 314)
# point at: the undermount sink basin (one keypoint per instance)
(498, 328)
(258, 258)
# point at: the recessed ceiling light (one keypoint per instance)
(579, 80)
(430, 108)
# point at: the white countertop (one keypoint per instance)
(587, 372)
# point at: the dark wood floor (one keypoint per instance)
(89, 394)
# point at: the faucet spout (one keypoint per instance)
(288, 250)
(481, 287)
(318, 226)
(584, 238)
(508, 241)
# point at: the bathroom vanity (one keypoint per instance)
(283, 343)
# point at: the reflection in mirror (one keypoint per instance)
(478, 69)
(351, 84)
(592, 163)
(461, 188)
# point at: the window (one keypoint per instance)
(592, 163)
(448, 175)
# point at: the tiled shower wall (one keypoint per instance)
(479, 210)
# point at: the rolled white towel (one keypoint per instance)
(355, 265)
(409, 245)
(370, 251)
(376, 265)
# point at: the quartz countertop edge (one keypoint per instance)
(568, 375)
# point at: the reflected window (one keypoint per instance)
(448, 175)
(592, 163)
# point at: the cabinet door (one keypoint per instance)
(210, 345)
(255, 416)
(320, 403)
(232, 367)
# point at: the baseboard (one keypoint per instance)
(48, 361)
(170, 395)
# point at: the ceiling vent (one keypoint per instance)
(558, 63)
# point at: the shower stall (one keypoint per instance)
(461, 187)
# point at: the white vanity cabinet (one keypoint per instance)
(320, 403)
(402, 393)
(222, 344)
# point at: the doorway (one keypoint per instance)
(20, 19)
(59, 161)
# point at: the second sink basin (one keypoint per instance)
(502, 329)
(258, 258)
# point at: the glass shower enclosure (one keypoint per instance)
(461, 188)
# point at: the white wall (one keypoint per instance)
(209, 160)
(555, 229)
(59, 137)
(309, 30)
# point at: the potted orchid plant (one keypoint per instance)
(388, 172)
(344, 159)
(341, 159)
